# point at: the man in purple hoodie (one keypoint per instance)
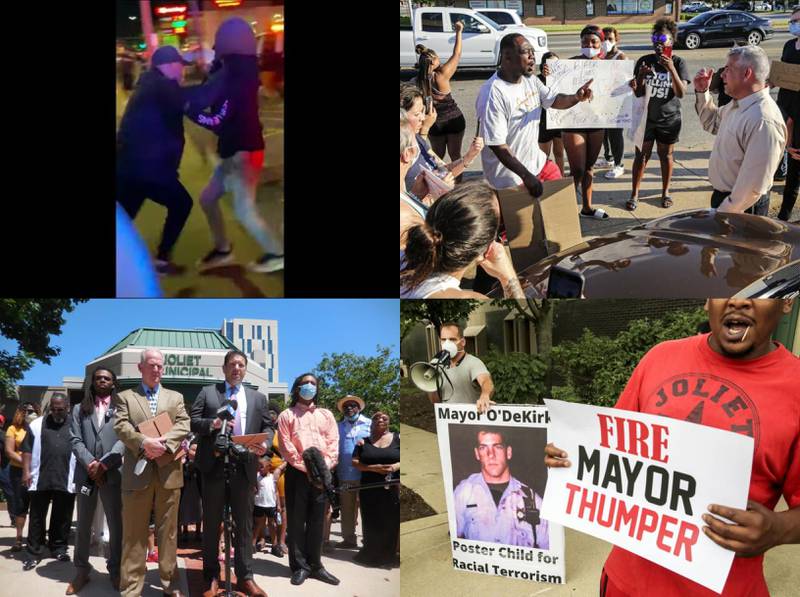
(234, 118)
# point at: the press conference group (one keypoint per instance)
(240, 469)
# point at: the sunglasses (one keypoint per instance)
(660, 38)
(350, 405)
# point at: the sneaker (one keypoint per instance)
(615, 172)
(268, 263)
(152, 557)
(215, 258)
(277, 551)
(603, 163)
(168, 268)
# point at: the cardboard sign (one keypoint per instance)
(158, 426)
(642, 482)
(536, 228)
(501, 450)
(785, 75)
(612, 96)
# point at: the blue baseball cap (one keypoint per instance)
(167, 55)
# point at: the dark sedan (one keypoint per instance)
(723, 27)
(696, 253)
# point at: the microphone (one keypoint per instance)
(320, 475)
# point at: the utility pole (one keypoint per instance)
(150, 38)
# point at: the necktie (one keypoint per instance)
(151, 399)
(237, 422)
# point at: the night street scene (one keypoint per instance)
(199, 162)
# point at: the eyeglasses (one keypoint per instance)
(662, 38)
(485, 448)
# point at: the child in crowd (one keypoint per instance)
(265, 502)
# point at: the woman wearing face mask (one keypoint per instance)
(19, 501)
(583, 145)
(550, 137)
(300, 427)
(667, 77)
(613, 144)
(459, 232)
(789, 102)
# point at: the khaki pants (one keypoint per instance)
(136, 507)
(348, 500)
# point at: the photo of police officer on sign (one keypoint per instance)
(498, 484)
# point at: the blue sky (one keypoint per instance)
(306, 329)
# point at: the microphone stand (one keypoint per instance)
(227, 522)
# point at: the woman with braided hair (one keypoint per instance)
(459, 232)
(433, 78)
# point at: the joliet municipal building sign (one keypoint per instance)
(185, 365)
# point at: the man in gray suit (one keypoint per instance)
(252, 416)
(98, 452)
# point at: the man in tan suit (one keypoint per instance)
(154, 486)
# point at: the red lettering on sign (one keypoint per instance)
(643, 440)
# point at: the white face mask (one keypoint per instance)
(608, 46)
(450, 347)
(590, 52)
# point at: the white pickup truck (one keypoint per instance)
(480, 40)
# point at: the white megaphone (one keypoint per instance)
(426, 375)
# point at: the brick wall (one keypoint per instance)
(607, 317)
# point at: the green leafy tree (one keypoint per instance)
(436, 311)
(375, 379)
(30, 323)
(519, 378)
(597, 368)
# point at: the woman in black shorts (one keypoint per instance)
(550, 138)
(584, 145)
(667, 77)
(433, 78)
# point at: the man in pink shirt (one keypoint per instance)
(302, 426)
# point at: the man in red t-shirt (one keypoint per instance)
(735, 378)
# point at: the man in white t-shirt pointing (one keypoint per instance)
(509, 107)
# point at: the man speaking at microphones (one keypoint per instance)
(230, 408)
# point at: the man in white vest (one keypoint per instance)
(47, 469)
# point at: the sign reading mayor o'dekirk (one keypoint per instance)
(184, 365)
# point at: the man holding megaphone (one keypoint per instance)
(453, 375)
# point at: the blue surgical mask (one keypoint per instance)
(308, 391)
(794, 29)
(352, 418)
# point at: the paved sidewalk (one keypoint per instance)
(425, 555)
(272, 574)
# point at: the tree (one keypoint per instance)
(29, 322)
(540, 314)
(375, 379)
(435, 311)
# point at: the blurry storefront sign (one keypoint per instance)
(170, 10)
(227, 3)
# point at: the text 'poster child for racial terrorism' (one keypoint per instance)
(494, 480)
(636, 481)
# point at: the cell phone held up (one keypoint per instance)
(428, 104)
(667, 51)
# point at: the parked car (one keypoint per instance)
(694, 253)
(762, 7)
(737, 6)
(501, 16)
(723, 27)
(480, 47)
(696, 7)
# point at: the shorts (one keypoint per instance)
(448, 127)
(549, 171)
(259, 512)
(545, 135)
(666, 135)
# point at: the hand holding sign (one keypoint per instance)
(584, 93)
(756, 529)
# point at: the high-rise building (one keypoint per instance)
(258, 339)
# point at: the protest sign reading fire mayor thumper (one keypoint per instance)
(643, 482)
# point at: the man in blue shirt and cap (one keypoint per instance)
(353, 428)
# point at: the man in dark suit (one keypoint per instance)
(98, 452)
(252, 416)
